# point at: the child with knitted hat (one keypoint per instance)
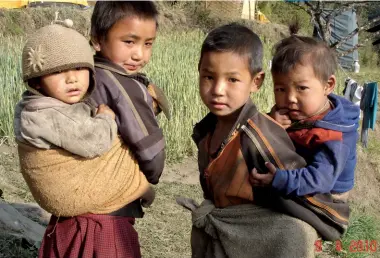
(59, 71)
(71, 158)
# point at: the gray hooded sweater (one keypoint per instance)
(46, 123)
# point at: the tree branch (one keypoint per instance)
(321, 5)
(318, 7)
(309, 4)
(370, 23)
(328, 30)
(312, 7)
(341, 41)
(373, 35)
(337, 11)
(315, 9)
(350, 51)
(318, 19)
(354, 32)
(340, 10)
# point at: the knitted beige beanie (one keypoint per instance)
(55, 48)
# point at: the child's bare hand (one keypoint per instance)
(263, 180)
(280, 115)
(104, 109)
(148, 198)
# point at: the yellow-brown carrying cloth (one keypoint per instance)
(160, 102)
(68, 185)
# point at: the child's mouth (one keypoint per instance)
(218, 105)
(132, 67)
(294, 113)
(74, 92)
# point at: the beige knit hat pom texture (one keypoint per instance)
(55, 48)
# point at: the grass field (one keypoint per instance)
(173, 68)
(165, 230)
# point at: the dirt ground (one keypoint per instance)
(185, 172)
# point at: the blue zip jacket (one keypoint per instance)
(331, 154)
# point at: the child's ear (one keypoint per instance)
(257, 81)
(95, 44)
(330, 85)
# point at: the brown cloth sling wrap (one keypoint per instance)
(68, 185)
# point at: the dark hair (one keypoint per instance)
(304, 50)
(238, 39)
(34, 82)
(107, 13)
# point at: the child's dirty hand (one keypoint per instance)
(263, 180)
(104, 109)
(148, 198)
(281, 116)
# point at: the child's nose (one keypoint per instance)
(292, 98)
(71, 77)
(219, 88)
(137, 53)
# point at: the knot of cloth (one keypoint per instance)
(199, 214)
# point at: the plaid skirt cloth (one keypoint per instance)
(90, 236)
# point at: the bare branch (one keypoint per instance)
(341, 10)
(318, 5)
(318, 20)
(337, 11)
(373, 35)
(310, 6)
(342, 40)
(323, 23)
(350, 50)
(370, 23)
(354, 32)
(321, 5)
(328, 30)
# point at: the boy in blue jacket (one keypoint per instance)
(322, 126)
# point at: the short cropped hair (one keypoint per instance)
(238, 39)
(304, 50)
(107, 13)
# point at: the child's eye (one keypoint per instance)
(57, 72)
(128, 42)
(279, 89)
(233, 80)
(148, 44)
(207, 77)
(302, 88)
